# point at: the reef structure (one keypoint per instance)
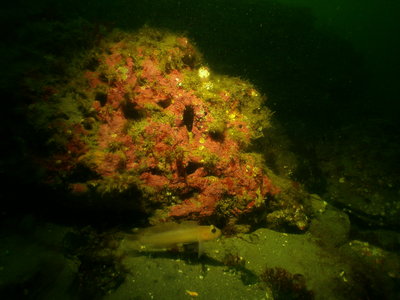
(142, 111)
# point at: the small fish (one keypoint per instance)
(172, 235)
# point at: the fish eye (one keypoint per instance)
(213, 230)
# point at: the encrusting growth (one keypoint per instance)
(141, 111)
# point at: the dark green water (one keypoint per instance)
(372, 27)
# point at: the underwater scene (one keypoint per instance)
(206, 149)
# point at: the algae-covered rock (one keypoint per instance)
(142, 118)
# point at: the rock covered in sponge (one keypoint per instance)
(142, 112)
